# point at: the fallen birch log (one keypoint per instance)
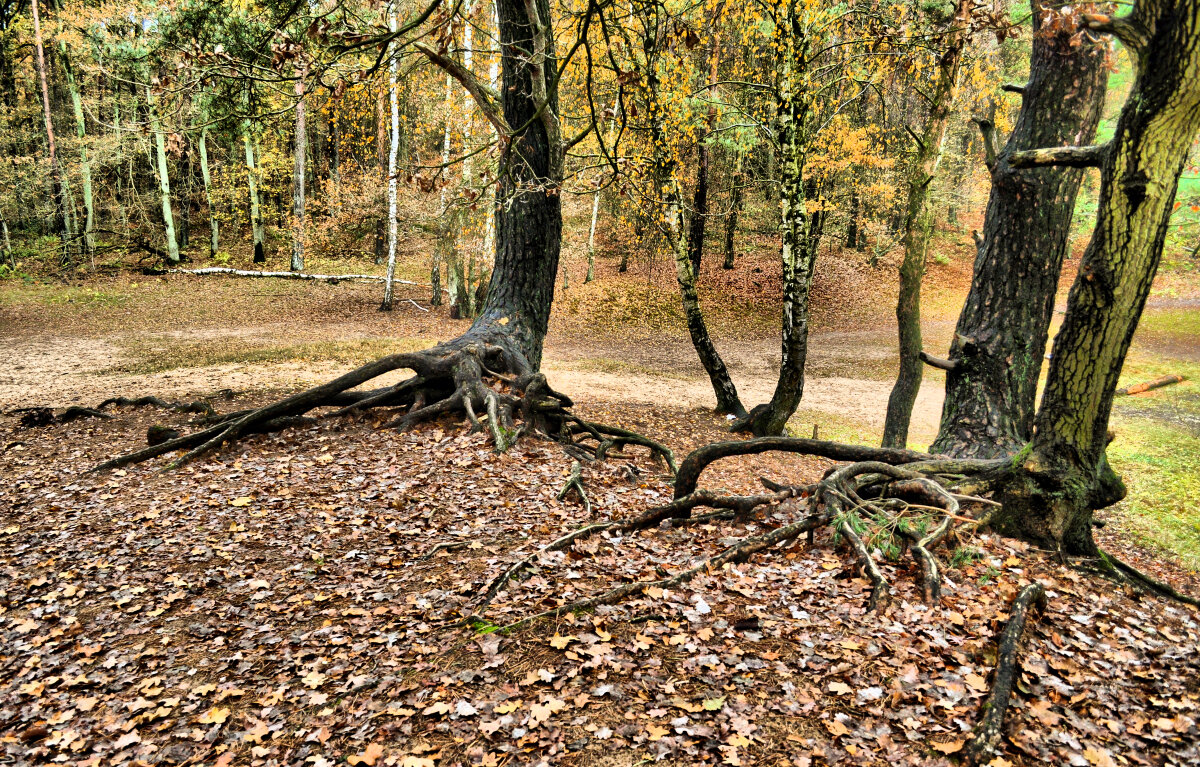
(290, 275)
(1157, 383)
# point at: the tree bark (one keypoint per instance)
(1000, 341)
(85, 166)
(917, 224)
(393, 147)
(256, 222)
(798, 252)
(298, 175)
(1064, 475)
(529, 212)
(735, 208)
(164, 181)
(56, 179)
(213, 226)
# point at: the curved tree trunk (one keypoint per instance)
(1064, 472)
(917, 223)
(998, 347)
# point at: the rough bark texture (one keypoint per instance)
(1064, 474)
(917, 223)
(529, 216)
(1000, 340)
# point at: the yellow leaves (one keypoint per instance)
(313, 679)
(215, 715)
(540, 712)
(714, 704)
(559, 642)
(244, 500)
(507, 707)
(950, 746)
(369, 756)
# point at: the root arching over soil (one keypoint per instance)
(482, 375)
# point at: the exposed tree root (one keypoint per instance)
(870, 504)
(482, 376)
(1121, 571)
(575, 482)
(981, 749)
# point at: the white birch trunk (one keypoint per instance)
(214, 232)
(256, 224)
(298, 176)
(394, 145)
(164, 182)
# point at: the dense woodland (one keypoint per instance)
(261, 139)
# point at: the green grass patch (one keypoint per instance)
(156, 356)
(1157, 452)
(620, 367)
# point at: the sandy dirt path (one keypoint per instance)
(849, 376)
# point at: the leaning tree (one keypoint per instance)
(996, 354)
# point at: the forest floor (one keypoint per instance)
(274, 603)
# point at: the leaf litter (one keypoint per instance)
(279, 605)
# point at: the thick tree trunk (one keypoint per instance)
(298, 175)
(164, 181)
(1000, 340)
(256, 222)
(1064, 475)
(917, 223)
(529, 213)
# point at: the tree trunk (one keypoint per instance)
(529, 213)
(917, 223)
(446, 249)
(164, 181)
(382, 152)
(735, 208)
(298, 175)
(393, 147)
(1063, 473)
(213, 226)
(85, 167)
(796, 252)
(56, 179)
(256, 222)
(1000, 340)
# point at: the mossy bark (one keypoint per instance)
(1064, 475)
(1000, 340)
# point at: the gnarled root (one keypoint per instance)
(867, 503)
(986, 736)
(482, 376)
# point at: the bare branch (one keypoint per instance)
(1063, 156)
(1013, 88)
(988, 130)
(1126, 29)
(487, 99)
(937, 362)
